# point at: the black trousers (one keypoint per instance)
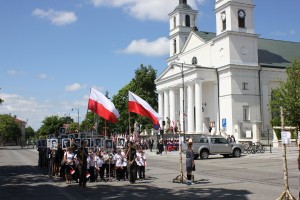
(142, 172)
(132, 172)
(119, 173)
(82, 169)
(92, 173)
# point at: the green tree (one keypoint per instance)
(142, 85)
(9, 129)
(287, 95)
(29, 133)
(50, 125)
(67, 120)
(73, 127)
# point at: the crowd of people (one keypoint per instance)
(82, 164)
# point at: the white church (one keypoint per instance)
(221, 83)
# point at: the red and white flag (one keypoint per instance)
(72, 171)
(141, 107)
(102, 106)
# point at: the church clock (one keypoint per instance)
(241, 14)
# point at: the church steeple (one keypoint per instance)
(183, 20)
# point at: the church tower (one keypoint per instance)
(234, 15)
(235, 32)
(182, 21)
(236, 55)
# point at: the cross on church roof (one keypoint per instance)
(182, 1)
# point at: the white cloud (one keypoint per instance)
(56, 17)
(145, 9)
(24, 108)
(292, 32)
(158, 47)
(42, 76)
(14, 72)
(28, 108)
(74, 87)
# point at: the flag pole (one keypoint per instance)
(87, 111)
(129, 128)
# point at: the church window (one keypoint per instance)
(241, 17)
(245, 86)
(174, 46)
(187, 21)
(174, 22)
(246, 113)
(194, 61)
(223, 18)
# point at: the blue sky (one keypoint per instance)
(53, 51)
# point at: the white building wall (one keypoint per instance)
(220, 52)
(243, 50)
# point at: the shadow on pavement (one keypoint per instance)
(28, 182)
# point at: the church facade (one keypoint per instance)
(221, 83)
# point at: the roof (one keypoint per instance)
(277, 53)
(183, 6)
(271, 53)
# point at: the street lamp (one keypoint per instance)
(77, 116)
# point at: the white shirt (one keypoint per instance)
(118, 160)
(90, 162)
(124, 159)
(140, 158)
(70, 157)
(99, 162)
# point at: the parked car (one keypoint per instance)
(213, 144)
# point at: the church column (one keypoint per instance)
(161, 105)
(198, 107)
(190, 110)
(166, 105)
(172, 106)
(181, 110)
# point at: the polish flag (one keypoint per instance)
(72, 171)
(141, 107)
(102, 106)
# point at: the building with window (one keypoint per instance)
(221, 83)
